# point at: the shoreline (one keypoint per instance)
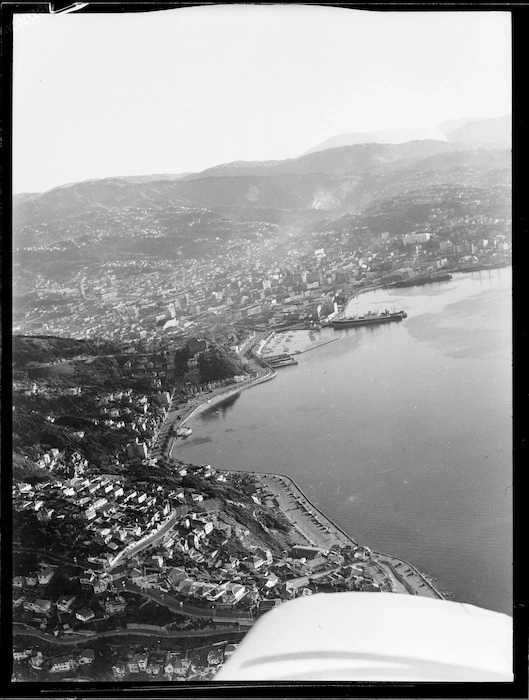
(312, 346)
(221, 396)
(307, 518)
(311, 521)
(305, 523)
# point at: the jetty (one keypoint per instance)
(281, 360)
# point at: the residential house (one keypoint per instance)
(39, 606)
(175, 664)
(132, 665)
(176, 574)
(87, 656)
(65, 604)
(271, 580)
(100, 586)
(21, 655)
(295, 584)
(63, 663)
(115, 605)
(184, 586)
(156, 665)
(215, 656)
(88, 577)
(236, 592)
(255, 562)
(119, 669)
(85, 614)
(142, 659)
(37, 661)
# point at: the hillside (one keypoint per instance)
(236, 202)
(343, 160)
(48, 349)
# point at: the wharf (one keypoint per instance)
(280, 360)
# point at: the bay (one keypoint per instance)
(400, 433)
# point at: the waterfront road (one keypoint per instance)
(408, 576)
(316, 528)
(321, 532)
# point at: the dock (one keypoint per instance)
(280, 360)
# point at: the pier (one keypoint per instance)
(280, 360)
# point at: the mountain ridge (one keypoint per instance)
(245, 200)
(471, 129)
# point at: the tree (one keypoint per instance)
(216, 363)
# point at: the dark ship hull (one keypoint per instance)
(368, 320)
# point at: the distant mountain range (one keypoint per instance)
(473, 130)
(484, 131)
(385, 136)
(195, 213)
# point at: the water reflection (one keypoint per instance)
(219, 410)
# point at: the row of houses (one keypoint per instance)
(172, 665)
(59, 664)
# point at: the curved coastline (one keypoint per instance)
(388, 562)
(221, 396)
(341, 537)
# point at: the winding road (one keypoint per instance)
(24, 630)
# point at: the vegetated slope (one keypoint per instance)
(118, 220)
(349, 159)
(453, 211)
(216, 363)
(48, 348)
(225, 184)
(480, 168)
(52, 415)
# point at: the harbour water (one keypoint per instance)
(400, 433)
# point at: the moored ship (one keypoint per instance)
(424, 279)
(369, 319)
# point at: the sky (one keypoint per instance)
(173, 91)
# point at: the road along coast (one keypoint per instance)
(313, 527)
(178, 417)
(319, 531)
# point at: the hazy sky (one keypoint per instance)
(181, 90)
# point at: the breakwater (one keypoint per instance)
(316, 346)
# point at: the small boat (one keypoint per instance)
(183, 432)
